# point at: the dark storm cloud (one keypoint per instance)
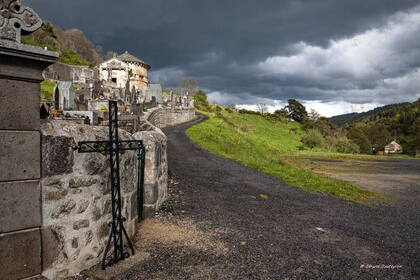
(241, 48)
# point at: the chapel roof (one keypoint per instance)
(128, 57)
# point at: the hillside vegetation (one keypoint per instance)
(376, 128)
(72, 44)
(268, 144)
(346, 119)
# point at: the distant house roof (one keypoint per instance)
(127, 57)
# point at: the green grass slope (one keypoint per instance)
(266, 145)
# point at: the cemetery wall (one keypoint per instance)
(156, 168)
(76, 206)
(167, 116)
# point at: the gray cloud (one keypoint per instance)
(244, 51)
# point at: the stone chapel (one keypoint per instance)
(126, 72)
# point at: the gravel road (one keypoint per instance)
(226, 221)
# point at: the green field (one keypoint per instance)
(271, 146)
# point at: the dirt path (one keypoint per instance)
(227, 221)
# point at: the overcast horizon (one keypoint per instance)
(334, 57)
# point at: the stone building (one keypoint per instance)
(81, 75)
(125, 72)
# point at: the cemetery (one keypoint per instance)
(109, 171)
(56, 200)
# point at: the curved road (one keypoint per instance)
(286, 233)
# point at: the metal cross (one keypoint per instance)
(113, 147)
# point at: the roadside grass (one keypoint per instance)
(267, 145)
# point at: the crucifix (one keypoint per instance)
(113, 147)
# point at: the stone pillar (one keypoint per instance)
(21, 69)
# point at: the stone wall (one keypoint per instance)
(167, 116)
(76, 189)
(76, 206)
(156, 173)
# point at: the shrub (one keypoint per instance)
(218, 109)
(244, 111)
(344, 145)
(313, 139)
(71, 57)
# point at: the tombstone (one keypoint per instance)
(56, 98)
(154, 91)
(66, 96)
(21, 69)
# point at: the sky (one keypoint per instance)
(334, 56)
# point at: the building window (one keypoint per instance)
(114, 80)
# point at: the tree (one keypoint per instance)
(297, 111)
(200, 100)
(110, 54)
(378, 136)
(262, 108)
(360, 138)
(282, 113)
(188, 84)
(313, 115)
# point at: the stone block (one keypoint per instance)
(20, 254)
(20, 205)
(38, 277)
(20, 155)
(150, 193)
(22, 102)
(52, 246)
(148, 211)
(57, 155)
(81, 224)
(133, 208)
(63, 209)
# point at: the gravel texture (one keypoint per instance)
(233, 222)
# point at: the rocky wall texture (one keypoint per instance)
(156, 168)
(170, 116)
(76, 206)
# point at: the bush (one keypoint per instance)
(344, 145)
(229, 110)
(71, 57)
(313, 139)
(218, 109)
(244, 111)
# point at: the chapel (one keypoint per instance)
(126, 72)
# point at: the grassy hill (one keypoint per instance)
(270, 146)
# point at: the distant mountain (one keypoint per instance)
(342, 120)
(73, 46)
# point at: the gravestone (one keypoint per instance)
(21, 69)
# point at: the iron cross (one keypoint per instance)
(113, 147)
